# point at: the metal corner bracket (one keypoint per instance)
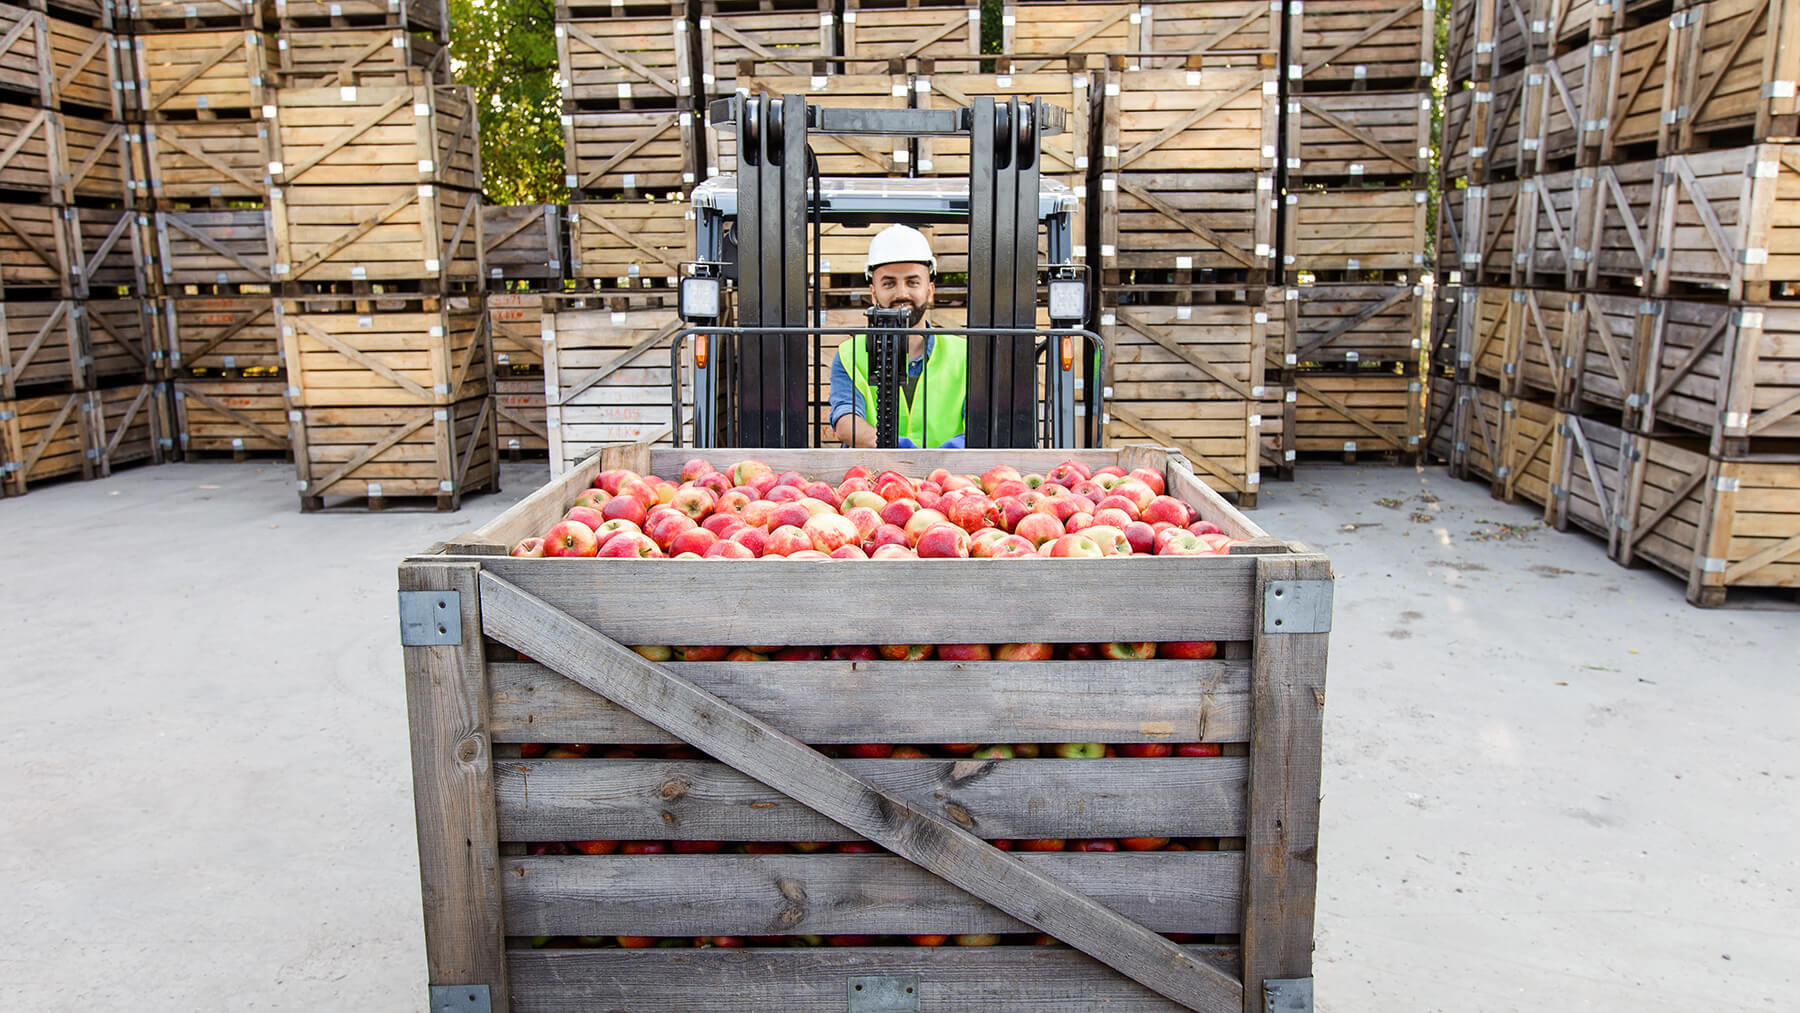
(883, 993)
(431, 619)
(1297, 606)
(463, 998)
(1287, 995)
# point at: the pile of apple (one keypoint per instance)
(749, 511)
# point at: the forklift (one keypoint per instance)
(756, 324)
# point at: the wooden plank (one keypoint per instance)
(687, 895)
(1281, 849)
(851, 702)
(566, 644)
(459, 868)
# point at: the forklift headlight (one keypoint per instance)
(1068, 299)
(700, 298)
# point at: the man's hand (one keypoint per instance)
(863, 435)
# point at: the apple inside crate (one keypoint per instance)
(703, 784)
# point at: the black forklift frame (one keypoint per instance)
(753, 388)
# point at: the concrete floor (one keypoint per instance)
(1549, 785)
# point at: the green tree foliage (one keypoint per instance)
(506, 50)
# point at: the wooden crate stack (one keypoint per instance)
(79, 371)
(376, 210)
(1355, 163)
(524, 252)
(1629, 288)
(1187, 118)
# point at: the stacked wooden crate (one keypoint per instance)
(78, 369)
(204, 78)
(1356, 146)
(523, 251)
(1187, 111)
(1627, 310)
(633, 150)
(376, 200)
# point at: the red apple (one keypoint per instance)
(1024, 652)
(898, 511)
(1111, 540)
(751, 538)
(829, 532)
(742, 654)
(1000, 752)
(743, 471)
(1135, 491)
(927, 940)
(625, 508)
(943, 541)
(1012, 510)
(801, 652)
(529, 548)
(893, 485)
(693, 501)
(594, 847)
(695, 540)
(1066, 473)
(863, 499)
(823, 492)
(696, 847)
(1198, 749)
(1123, 651)
(1102, 844)
(787, 540)
(658, 653)
(1039, 528)
(793, 514)
(1080, 750)
(921, 521)
(643, 848)
(867, 751)
(757, 513)
(694, 468)
(725, 548)
(930, 500)
(1188, 650)
(571, 538)
(1012, 547)
(784, 494)
(1141, 536)
(908, 753)
(1114, 501)
(611, 480)
(1080, 520)
(1010, 487)
(1059, 507)
(732, 503)
(1181, 542)
(974, 512)
(1113, 517)
(1205, 528)
(640, 490)
(1034, 498)
(630, 545)
(1080, 652)
(791, 477)
(981, 543)
(714, 482)
(702, 652)
(1111, 469)
(904, 652)
(886, 534)
(1153, 479)
(1143, 843)
(852, 652)
(595, 498)
(964, 652)
(849, 552)
(893, 552)
(1141, 750)
(855, 471)
(1166, 508)
(1076, 545)
(1044, 844)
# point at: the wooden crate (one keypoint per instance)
(375, 454)
(625, 63)
(1604, 353)
(523, 243)
(215, 335)
(128, 425)
(41, 347)
(1478, 448)
(1622, 225)
(1452, 306)
(1484, 127)
(1718, 524)
(1185, 221)
(1729, 372)
(631, 152)
(360, 57)
(519, 415)
(418, 16)
(838, 155)
(1345, 324)
(34, 249)
(1580, 21)
(630, 241)
(208, 160)
(606, 375)
(1725, 222)
(904, 33)
(215, 247)
(194, 75)
(481, 903)
(377, 232)
(1492, 210)
(1566, 129)
(1360, 134)
(1186, 121)
(1064, 156)
(346, 353)
(42, 438)
(1380, 413)
(83, 70)
(1241, 32)
(342, 137)
(1738, 77)
(789, 43)
(516, 322)
(171, 15)
(94, 161)
(234, 416)
(29, 163)
(1641, 86)
(1188, 377)
(1592, 461)
(1490, 328)
(1549, 252)
(1444, 399)
(1346, 43)
(1538, 353)
(110, 250)
(1461, 217)
(1041, 35)
(119, 339)
(1358, 230)
(1527, 451)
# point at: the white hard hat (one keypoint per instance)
(899, 244)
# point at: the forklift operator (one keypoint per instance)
(901, 272)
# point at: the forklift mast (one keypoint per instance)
(754, 391)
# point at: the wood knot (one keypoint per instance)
(468, 750)
(674, 789)
(959, 814)
(792, 890)
(668, 817)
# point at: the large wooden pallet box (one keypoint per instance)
(110, 249)
(207, 160)
(516, 321)
(378, 232)
(523, 242)
(1527, 451)
(345, 353)
(1479, 450)
(1369, 134)
(58, 63)
(41, 347)
(1063, 156)
(220, 334)
(1719, 524)
(195, 75)
(418, 16)
(119, 338)
(1358, 230)
(1345, 43)
(1725, 221)
(1345, 324)
(606, 374)
(373, 454)
(232, 416)
(349, 137)
(837, 155)
(469, 610)
(34, 249)
(215, 247)
(1603, 351)
(129, 424)
(28, 152)
(1726, 371)
(365, 57)
(1241, 32)
(1592, 462)
(626, 243)
(783, 42)
(42, 438)
(1050, 32)
(1370, 412)
(1739, 72)
(625, 63)
(630, 151)
(904, 33)
(519, 415)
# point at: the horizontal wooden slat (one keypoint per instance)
(661, 601)
(1009, 979)
(685, 895)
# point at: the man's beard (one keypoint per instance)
(917, 312)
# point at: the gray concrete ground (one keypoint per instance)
(1549, 785)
